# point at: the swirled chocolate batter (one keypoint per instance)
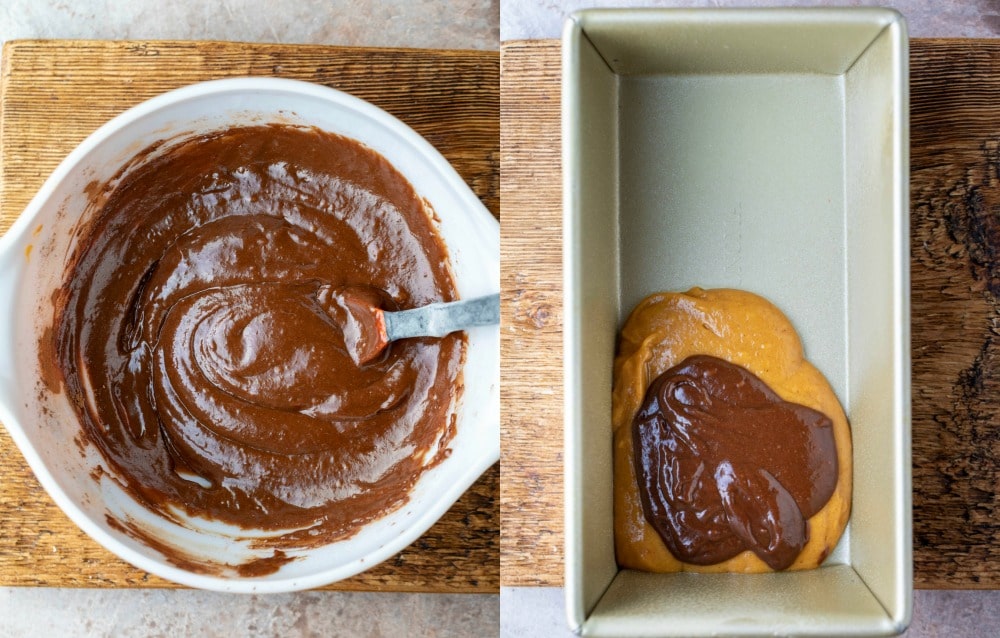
(725, 465)
(196, 337)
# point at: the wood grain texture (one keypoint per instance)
(531, 495)
(55, 93)
(955, 273)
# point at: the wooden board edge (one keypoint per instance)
(529, 42)
(12, 45)
(937, 41)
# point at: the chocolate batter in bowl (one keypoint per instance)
(228, 441)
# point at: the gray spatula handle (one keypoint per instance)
(439, 319)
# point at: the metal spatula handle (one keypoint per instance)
(439, 319)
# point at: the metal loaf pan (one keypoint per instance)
(765, 150)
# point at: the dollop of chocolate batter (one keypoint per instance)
(725, 465)
(194, 340)
(358, 311)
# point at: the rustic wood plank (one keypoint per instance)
(55, 93)
(955, 228)
(955, 271)
(531, 496)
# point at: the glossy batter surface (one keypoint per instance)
(725, 465)
(743, 329)
(197, 341)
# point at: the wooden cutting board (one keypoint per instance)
(955, 272)
(55, 93)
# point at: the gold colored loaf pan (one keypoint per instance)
(763, 150)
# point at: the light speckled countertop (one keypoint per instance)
(539, 612)
(537, 19)
(465, 24)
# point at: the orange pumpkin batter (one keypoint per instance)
(743, 329)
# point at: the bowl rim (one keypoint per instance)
(421, 521)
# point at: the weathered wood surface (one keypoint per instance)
(55, 93)
(955, 272)
(955, 239)
(531, 496)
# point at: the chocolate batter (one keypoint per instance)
(725, 465)
(359, 312)
(194, 338)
